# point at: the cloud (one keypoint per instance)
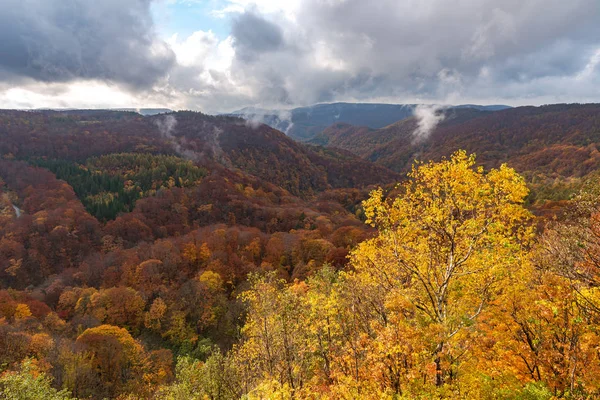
(253, 35)
(196, 49)
(89, 94)
(590, 67)
(61, 41)
(432, 51)
(428, 116)
(278, 119)
(286, 8)
(282, 54)
(166, 126)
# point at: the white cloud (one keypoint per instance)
(85, 94)
(428, 117)
(203, 50)
(288, 8)
(590, 67)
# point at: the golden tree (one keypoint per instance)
(443, 249)
(274, 333)
(119, 361)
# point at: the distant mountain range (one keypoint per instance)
(304, 123)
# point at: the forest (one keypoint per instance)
(554, 146)
(186, 256)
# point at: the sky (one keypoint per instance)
(222, 55)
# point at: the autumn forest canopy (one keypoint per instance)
(188, 256)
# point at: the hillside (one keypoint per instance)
(556, 144)
(231, 142)
(271, 155)
(299, 200)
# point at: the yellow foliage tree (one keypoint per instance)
(153, 319)
(22, 311)
(444, 247)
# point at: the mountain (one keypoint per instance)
(270, 155)
(552, 146)
(90, 185)
(364, 141)
(492, 107)
(305, 123)
(257, 150)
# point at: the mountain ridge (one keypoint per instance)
(549, 145)
(304, 123)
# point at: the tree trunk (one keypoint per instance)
(439, 374)
(439, 377)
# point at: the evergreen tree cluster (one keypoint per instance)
(111, 184)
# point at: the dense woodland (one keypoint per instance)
(185, 256)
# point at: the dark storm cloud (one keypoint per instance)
(253, 35)
(64, 40)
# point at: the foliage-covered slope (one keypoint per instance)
(543, 143)
(255, 149)
(269, 154)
